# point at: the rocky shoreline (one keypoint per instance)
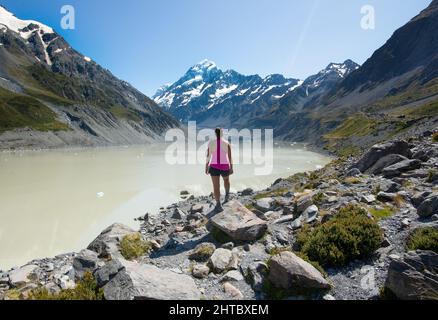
(265, 245)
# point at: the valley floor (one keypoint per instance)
(264, 244)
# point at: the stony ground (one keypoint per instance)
(398, 177)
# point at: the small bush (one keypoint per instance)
(202, 254)
(423, 239)
(319, 198)
(349, 235)
(133, 246)
(86, 289)
(435, 137)
(277, 250)
(386, 212)
(352, 180)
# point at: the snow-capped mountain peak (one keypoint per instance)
(23, 27)
(203, 66)
(205, 92)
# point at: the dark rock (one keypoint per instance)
(255, 274)
(386, 197)
(389, 186)
(86, 260)
(107, 272)
(429, 206)
(353, 172)
(247, 192)
(384, 162)
(421, 155)
(400, 167)
(379, 151)
(178, 214)
(414, 277)
(419, 197)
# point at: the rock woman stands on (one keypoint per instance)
(219, 163)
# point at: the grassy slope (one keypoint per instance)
(18, 111)
(401, 111)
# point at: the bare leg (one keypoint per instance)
(216, 188)
(227, 184)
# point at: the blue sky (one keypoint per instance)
(152, 42)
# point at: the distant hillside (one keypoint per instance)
(63, 97)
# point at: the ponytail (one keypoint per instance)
(218, 133)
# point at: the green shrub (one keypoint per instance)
(349, 235)
(86, 289)
(423, 239)
(383, 213)
(133, 246)
(435, 137)
(319, 198)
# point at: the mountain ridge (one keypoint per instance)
(88, 104)
(211, 96)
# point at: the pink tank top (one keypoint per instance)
(219, 158)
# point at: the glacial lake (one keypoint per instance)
(53, 202)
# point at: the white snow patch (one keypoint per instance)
(88, 59)
(58, 50)
(8, 20)
(223, 91)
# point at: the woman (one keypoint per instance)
(219, 163)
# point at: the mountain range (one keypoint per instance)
(51, 95)
(344, 108)
(214, 97)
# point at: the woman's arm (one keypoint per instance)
(208, 161)
(230, 157)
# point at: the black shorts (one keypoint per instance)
(216, 172)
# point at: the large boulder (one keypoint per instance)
(381, 150)
(288, 271)
(414, 277)
(400, 167)
(239, 223)
(429, 206)
(384, 162)
(106, 244)
(146, 282)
